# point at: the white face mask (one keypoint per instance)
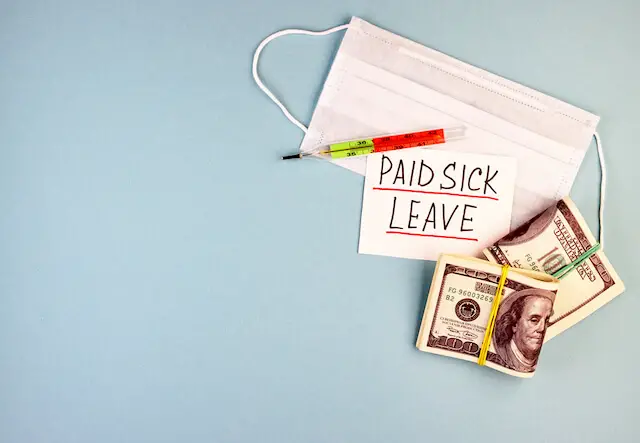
(381, 83)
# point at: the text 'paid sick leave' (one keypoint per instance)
(419, 203)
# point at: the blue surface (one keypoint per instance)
(165, 278)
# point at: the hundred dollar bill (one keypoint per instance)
(457, 314)
(547, 242)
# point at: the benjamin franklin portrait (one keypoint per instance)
(520, 327)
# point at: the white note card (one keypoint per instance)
(419, 203)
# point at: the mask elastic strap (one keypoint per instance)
(262, 86)
(565, 270)
(603, 187)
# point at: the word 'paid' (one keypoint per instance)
(419, 203)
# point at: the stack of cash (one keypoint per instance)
(457, 313)
(554, 238)
(535, 306)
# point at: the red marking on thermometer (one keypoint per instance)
(355, 148)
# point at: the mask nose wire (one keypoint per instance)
(263, 87)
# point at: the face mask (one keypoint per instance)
(381, 83)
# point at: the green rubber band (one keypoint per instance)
(563, 271)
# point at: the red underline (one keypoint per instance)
(432, 235)
(434, 192)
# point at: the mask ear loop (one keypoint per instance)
(262, 86)
(565, 270)
(603, 187)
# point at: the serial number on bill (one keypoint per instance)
(467, 293)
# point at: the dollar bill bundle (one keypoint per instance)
(551, 240)
(457, 315)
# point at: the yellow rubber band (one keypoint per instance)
(492, 317)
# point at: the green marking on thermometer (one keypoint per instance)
(368, 146)
(352, 148)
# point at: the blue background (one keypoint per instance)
(165, 278)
